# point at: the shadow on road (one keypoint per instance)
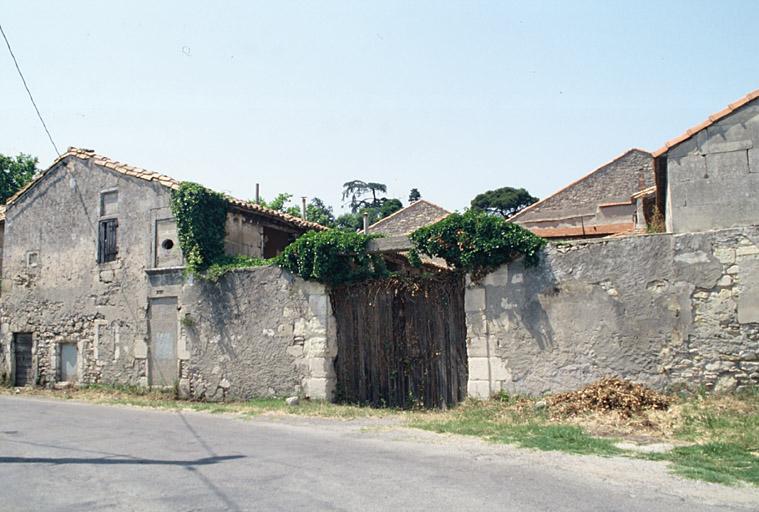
(106, 461)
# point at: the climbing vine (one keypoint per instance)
(201, 216)
(475, 242)
(333, 257)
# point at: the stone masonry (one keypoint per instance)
(666, 310)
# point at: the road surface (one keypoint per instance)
(59, 455)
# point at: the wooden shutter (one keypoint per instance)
(107, 248)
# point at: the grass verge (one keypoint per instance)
(715, 438)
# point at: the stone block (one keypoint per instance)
(746, 250)
(748, 300)
(315, 346)
(140, 348)
(474, 299)
(319, 306)
(498, 370)
(477, 346)
(320, 368)
(320, 388)
(478, 389)
(725, 255)
(479, 368)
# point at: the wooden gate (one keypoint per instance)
(401, 342)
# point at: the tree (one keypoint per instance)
(318, 212)
(357, 191)
(15, 172)
(389, 206)
(504, 201)
(414, 195)
(281, 204)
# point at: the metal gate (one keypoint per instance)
(402, 342)
(162, 367)
(22, 343)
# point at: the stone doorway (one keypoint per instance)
(163, 324)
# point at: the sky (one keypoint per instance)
(452, 98)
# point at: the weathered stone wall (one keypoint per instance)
(52, 285)
(666, 310)
(713, 177)
(258, 332)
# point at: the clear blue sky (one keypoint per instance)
(453, 98)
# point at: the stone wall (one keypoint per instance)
(258, 332)
(713, 177)
(666, 310)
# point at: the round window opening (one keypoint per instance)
(167, 244)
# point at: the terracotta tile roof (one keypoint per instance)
(407, 220)
(594, 171)
(162, 179)
(706, 123)
(577, 231)
(2, 213)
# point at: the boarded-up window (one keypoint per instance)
(107, 248)
(69, 356)
(109, 202)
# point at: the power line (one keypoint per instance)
(8, 44)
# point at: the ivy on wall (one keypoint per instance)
(333, 257)
(476, 242)
(201, 217)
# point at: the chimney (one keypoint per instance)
(303, 208)
(258, 193)
(366, 222)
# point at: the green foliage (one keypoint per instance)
(355, 221)
(317, 211)
(201, 216)
(228, 263)
(414, 195)
(15, 172)
(357, 189)
(332, 257)
(504, 201)
(281, 203)
(476, 242)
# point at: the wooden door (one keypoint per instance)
(22, 343)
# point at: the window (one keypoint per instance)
(109, 202)
(107, 248)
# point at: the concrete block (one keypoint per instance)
(474, 299)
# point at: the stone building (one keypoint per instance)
(708, 177)
(93, 290)
(407, 220)
(605, 202)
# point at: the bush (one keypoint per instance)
(201, 216)
(476, 242)
(332, 257)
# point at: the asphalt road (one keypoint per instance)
(61, 456)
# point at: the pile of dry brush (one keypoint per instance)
(607, 395)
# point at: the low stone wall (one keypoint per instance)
(666, 310)
(258, 332)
